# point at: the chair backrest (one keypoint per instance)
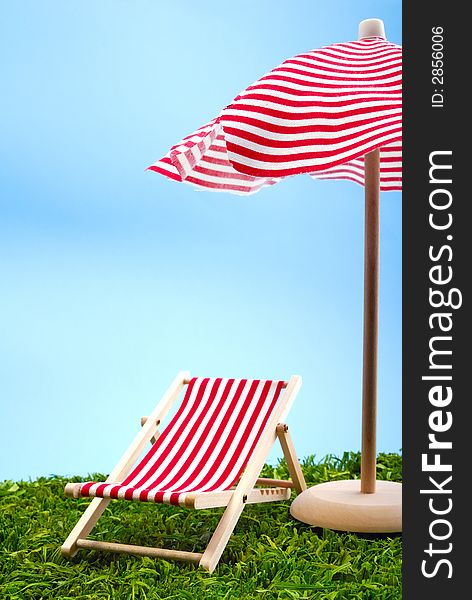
(208, 442)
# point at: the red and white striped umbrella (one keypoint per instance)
(332, 113)
(317, 113)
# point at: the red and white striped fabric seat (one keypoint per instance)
(206, 445)
(317, 113)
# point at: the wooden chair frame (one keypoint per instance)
(235, 499)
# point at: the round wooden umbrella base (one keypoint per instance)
(341, 506)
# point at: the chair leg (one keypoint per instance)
(84, 526)
(222, 533)
(291, 457)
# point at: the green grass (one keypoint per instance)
(269, 556)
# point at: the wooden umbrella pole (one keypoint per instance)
(371, 320)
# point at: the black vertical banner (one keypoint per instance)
(437, 268)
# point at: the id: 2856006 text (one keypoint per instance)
(437, 67)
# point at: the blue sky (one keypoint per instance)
(113, 279)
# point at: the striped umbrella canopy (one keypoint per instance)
(318, 113)
(331, 113)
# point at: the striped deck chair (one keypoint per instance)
(210, 454)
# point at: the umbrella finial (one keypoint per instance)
(371, 28)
